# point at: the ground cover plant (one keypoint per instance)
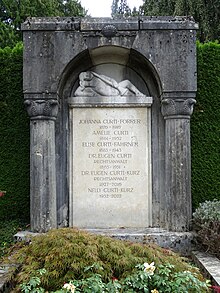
(66, 254)
(146, 278)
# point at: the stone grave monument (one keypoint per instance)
(110, 102)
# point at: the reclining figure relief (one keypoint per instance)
(94, 84)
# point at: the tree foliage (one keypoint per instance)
(205, 12)
(14, 12)
(120, 8)
(8, 36)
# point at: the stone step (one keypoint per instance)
(209, 264)
(5, 285)
(181, 242)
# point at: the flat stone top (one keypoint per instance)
(120, 24)
(209, 263)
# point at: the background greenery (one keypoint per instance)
(205, 126)
(13, 13)
(206, 13)
(14, 123)
(14, 132)
(14, 138)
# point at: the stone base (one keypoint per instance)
(6, 283)
(181, 242)
(24, 236)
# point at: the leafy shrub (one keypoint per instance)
(207, 225)
(64, 253)
(146, 278)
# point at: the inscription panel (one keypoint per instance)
(110, 167)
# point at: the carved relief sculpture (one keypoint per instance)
(42, 109)
(179, 107)
(94, 84)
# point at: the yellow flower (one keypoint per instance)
(149, 268)
(70, 287)
(154, 291)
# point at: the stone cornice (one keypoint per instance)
(97, 24)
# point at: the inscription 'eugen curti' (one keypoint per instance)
(114, 140)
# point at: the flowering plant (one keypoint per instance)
(2, 193)
(149, 268)
(216, 289)
(147, 278)
(70, 287)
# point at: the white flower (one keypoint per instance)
(69, 287)
(154, 291)
(149, 268)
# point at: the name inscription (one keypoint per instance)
(113, 140)
(110, 159)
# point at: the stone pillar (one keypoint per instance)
(177, 114)
(43, 208)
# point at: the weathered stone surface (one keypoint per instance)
(24, 236)
(42, 176)
(42, 109)
(110, 155)
(4, 284)
(209, 264)
(177, 113)
(93, 84)
(181, 242)
(49, 50)
(177, 108)
(157, 56)
(111, 168)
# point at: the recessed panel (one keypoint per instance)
(110, 167)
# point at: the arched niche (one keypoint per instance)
(120, 64)
(126, 60)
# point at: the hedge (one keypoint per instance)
(205, 126)
(14, 132)
(14, 138)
